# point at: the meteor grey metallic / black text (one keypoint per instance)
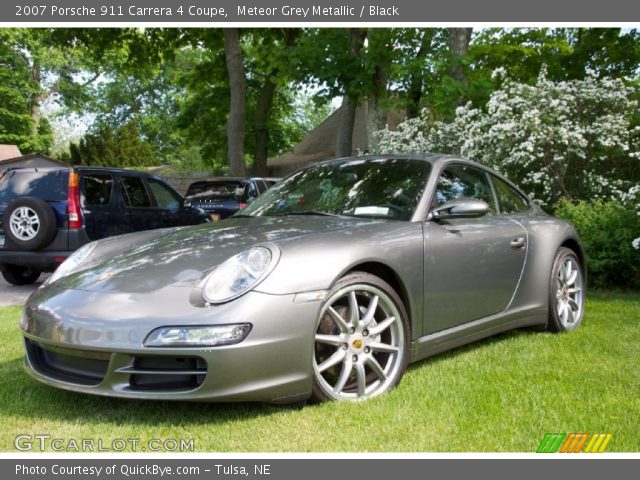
(326, 286)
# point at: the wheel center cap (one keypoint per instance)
(357, 344)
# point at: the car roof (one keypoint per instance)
(76, 168)
(223, 179)
(432, 158)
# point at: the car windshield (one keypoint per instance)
(379, 188)
(223, 188)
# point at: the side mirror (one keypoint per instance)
(460, 208)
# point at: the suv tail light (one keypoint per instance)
(73, 201)
(243, 204)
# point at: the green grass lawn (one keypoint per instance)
(501, 394)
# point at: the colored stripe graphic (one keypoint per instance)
(598, 443)
(574, 443)
(550, 443)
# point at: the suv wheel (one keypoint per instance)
(29, 223)
(20, 275)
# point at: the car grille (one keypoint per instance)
(145, 372)
(83, 367)
(163, 372)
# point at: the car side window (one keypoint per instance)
(261, 186)
(457, 181)
(252, 191)
(97, 189)
(510, 201)
(165, 197)
(134, 193)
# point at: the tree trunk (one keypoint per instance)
(35, 100)
(459, 39)
(344, 138)
(263, 110)
(416, 82)
(238, 107)
(261, 119)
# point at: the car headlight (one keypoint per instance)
(72, 263)
(238, 274)
(200, 336)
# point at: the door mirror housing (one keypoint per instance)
(460, 208)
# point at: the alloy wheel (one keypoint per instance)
(569, 295)
(359, 343)
(24, 223)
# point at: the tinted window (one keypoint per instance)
(458, 181)
(262, 186)
(252, 191)
(50, 185)
(165, 197)
(97, 189)
(216, 189)
(378, 188)
(134, 193)
(510, 201)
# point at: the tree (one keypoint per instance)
(268, 58)
(122, 147)
(238, 105)
(21, 93)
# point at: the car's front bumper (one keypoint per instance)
(93, 343)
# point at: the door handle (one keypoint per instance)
(518, 243)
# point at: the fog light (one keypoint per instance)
(200, 336)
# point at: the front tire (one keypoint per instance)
(362, 340)
(20, 275)
(566, 292)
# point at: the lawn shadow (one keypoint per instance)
(476, 345)
(28, 401)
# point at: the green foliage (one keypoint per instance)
(607, 230)
(19, 92)
(122, 147)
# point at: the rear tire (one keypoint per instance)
(20, 275)
(566, 292)
(29, 223)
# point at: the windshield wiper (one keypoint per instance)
(307, 212)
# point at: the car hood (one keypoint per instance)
(184, 256)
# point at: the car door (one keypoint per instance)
(471, 265)
(170, 205)
(98, 204)
(137, 212)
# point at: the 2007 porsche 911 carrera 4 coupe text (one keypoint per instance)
(326, 286)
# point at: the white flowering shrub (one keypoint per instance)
(573, 139)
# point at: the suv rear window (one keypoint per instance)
(50, 186)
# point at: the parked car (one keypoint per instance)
(223, 196)
(271, 181)
(47, 213)
(326, 286)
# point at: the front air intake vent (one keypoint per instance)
(165, 373)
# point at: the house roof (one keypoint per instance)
(28, 157)
(9, 151)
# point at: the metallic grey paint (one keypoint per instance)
(461, 280)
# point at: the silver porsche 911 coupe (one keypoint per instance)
(325, 287)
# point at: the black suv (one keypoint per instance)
(47, 213)
(221, 197)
